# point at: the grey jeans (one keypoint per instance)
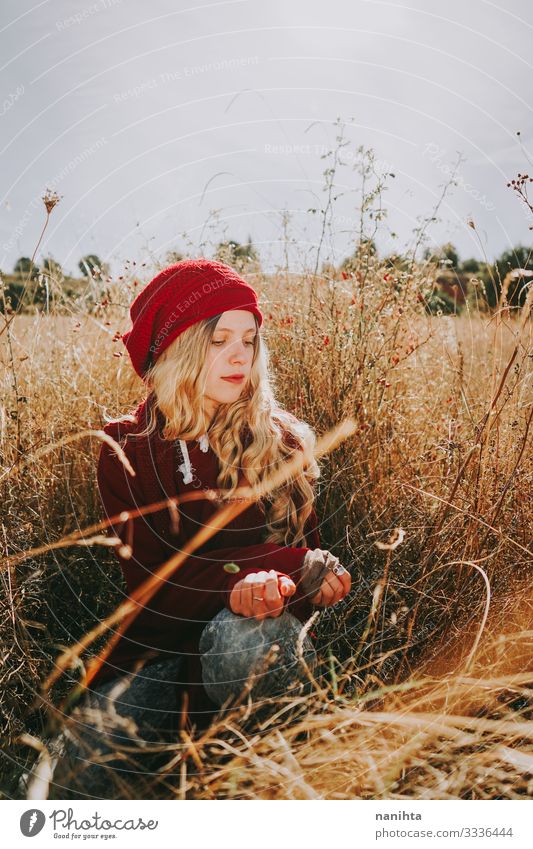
(118, 725)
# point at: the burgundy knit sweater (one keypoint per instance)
(173, 620)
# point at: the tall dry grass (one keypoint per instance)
(442, 451)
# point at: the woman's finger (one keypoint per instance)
(287, 587)
(258, 606)
(334, 565)
(252, 589)
(346, 581)
(272, 598)
(235, 599)
(246, 598)
(338, 585)
(332, 590)
(328, 593)
(336, 588)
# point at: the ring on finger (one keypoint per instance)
(257, 598)
(336, 567)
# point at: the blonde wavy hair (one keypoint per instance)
(176, 382)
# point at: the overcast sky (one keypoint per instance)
(149, 117)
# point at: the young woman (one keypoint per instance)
(209, 421)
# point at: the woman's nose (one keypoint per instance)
(239, 353)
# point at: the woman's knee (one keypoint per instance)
(235, 649)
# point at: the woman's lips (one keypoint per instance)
(234, 379)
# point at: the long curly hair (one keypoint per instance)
(254, 436)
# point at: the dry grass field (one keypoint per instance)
(428, 691)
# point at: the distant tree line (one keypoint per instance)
(457, 281)
(31, 284)
(38, 286)
(239, 256)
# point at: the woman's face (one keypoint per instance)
(230, 354)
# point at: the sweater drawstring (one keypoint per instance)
(185, 468)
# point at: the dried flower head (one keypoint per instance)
(50, 199)
(397, 537)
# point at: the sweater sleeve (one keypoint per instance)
(200, 587)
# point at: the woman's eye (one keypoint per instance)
(221, 343)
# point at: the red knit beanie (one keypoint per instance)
(178, 297)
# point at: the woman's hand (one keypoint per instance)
(333, 589)
(261, 594)
(324, 579)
